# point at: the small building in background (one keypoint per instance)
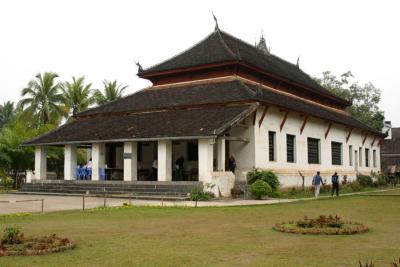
(390, 151)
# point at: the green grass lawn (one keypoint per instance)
(229, 236)
(395, 191)
(326, 191)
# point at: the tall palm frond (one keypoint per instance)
(112, 92)
(43, 100)
(77, 96)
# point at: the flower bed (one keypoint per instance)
(36, 246)
(327, 225)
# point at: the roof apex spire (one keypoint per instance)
(298, 62)
(216, 22)
(262, 45)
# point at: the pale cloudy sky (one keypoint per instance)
(103, 39)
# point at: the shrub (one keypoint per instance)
(380, 179)
(355, 186)
(365, 180)
(7, 182)
(345, 180)
(12, 235)
(267, 176)
(260, 189)
(198, 194)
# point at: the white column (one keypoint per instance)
(130, 161)
(221, 154)
(70, 162)
(40, 163)
(88, 154)
(164, 160)
(206, 155)
(119, 157)
(98, 159)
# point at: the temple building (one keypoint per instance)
(221, 97)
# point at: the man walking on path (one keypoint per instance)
(317, 181)
(335, 184)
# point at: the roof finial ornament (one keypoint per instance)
(140, 69)
(298, 62)
(216, 22)
(262, 45)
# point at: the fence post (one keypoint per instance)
(42, 204)
(104, 204)
(83, 201)
(130, 199)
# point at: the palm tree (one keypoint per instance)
(112, 92)
(77, 96)
(43, 101)
(7, 113)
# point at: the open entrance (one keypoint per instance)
(185, 160)
(147, 161)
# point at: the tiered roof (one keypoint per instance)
(221, 47)
(203, 108)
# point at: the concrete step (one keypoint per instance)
(111, 187)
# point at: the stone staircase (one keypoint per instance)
(138, 188)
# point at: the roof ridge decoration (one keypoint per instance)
(216, 22)
(218, 31)
(140, 68)
(262, 45)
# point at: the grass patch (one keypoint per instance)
(224, 236)
(309, 192)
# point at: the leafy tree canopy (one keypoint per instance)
(365, 97)
(7, 113)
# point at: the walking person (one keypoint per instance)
(317, 182)
(232, 163)
(335, 184)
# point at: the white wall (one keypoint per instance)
(244, 152)
(255, 153)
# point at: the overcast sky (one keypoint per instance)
(103, 39)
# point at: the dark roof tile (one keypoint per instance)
(220, 46)
(229, 91)
(177, 123)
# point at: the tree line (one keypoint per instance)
(45, 104)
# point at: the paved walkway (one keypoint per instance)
(9, 203)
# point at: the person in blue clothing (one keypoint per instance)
(335, 184)
(317, 182)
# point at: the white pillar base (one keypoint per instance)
(98, 160)
(130, 161)
(40, 163)
(206, 157)
(164, 160)
(70, 163)
(221, 154)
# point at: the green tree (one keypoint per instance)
(77, 96)
(43, 100)
(365, 97)
(112, 92)
(7, 113)
(14, 158)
